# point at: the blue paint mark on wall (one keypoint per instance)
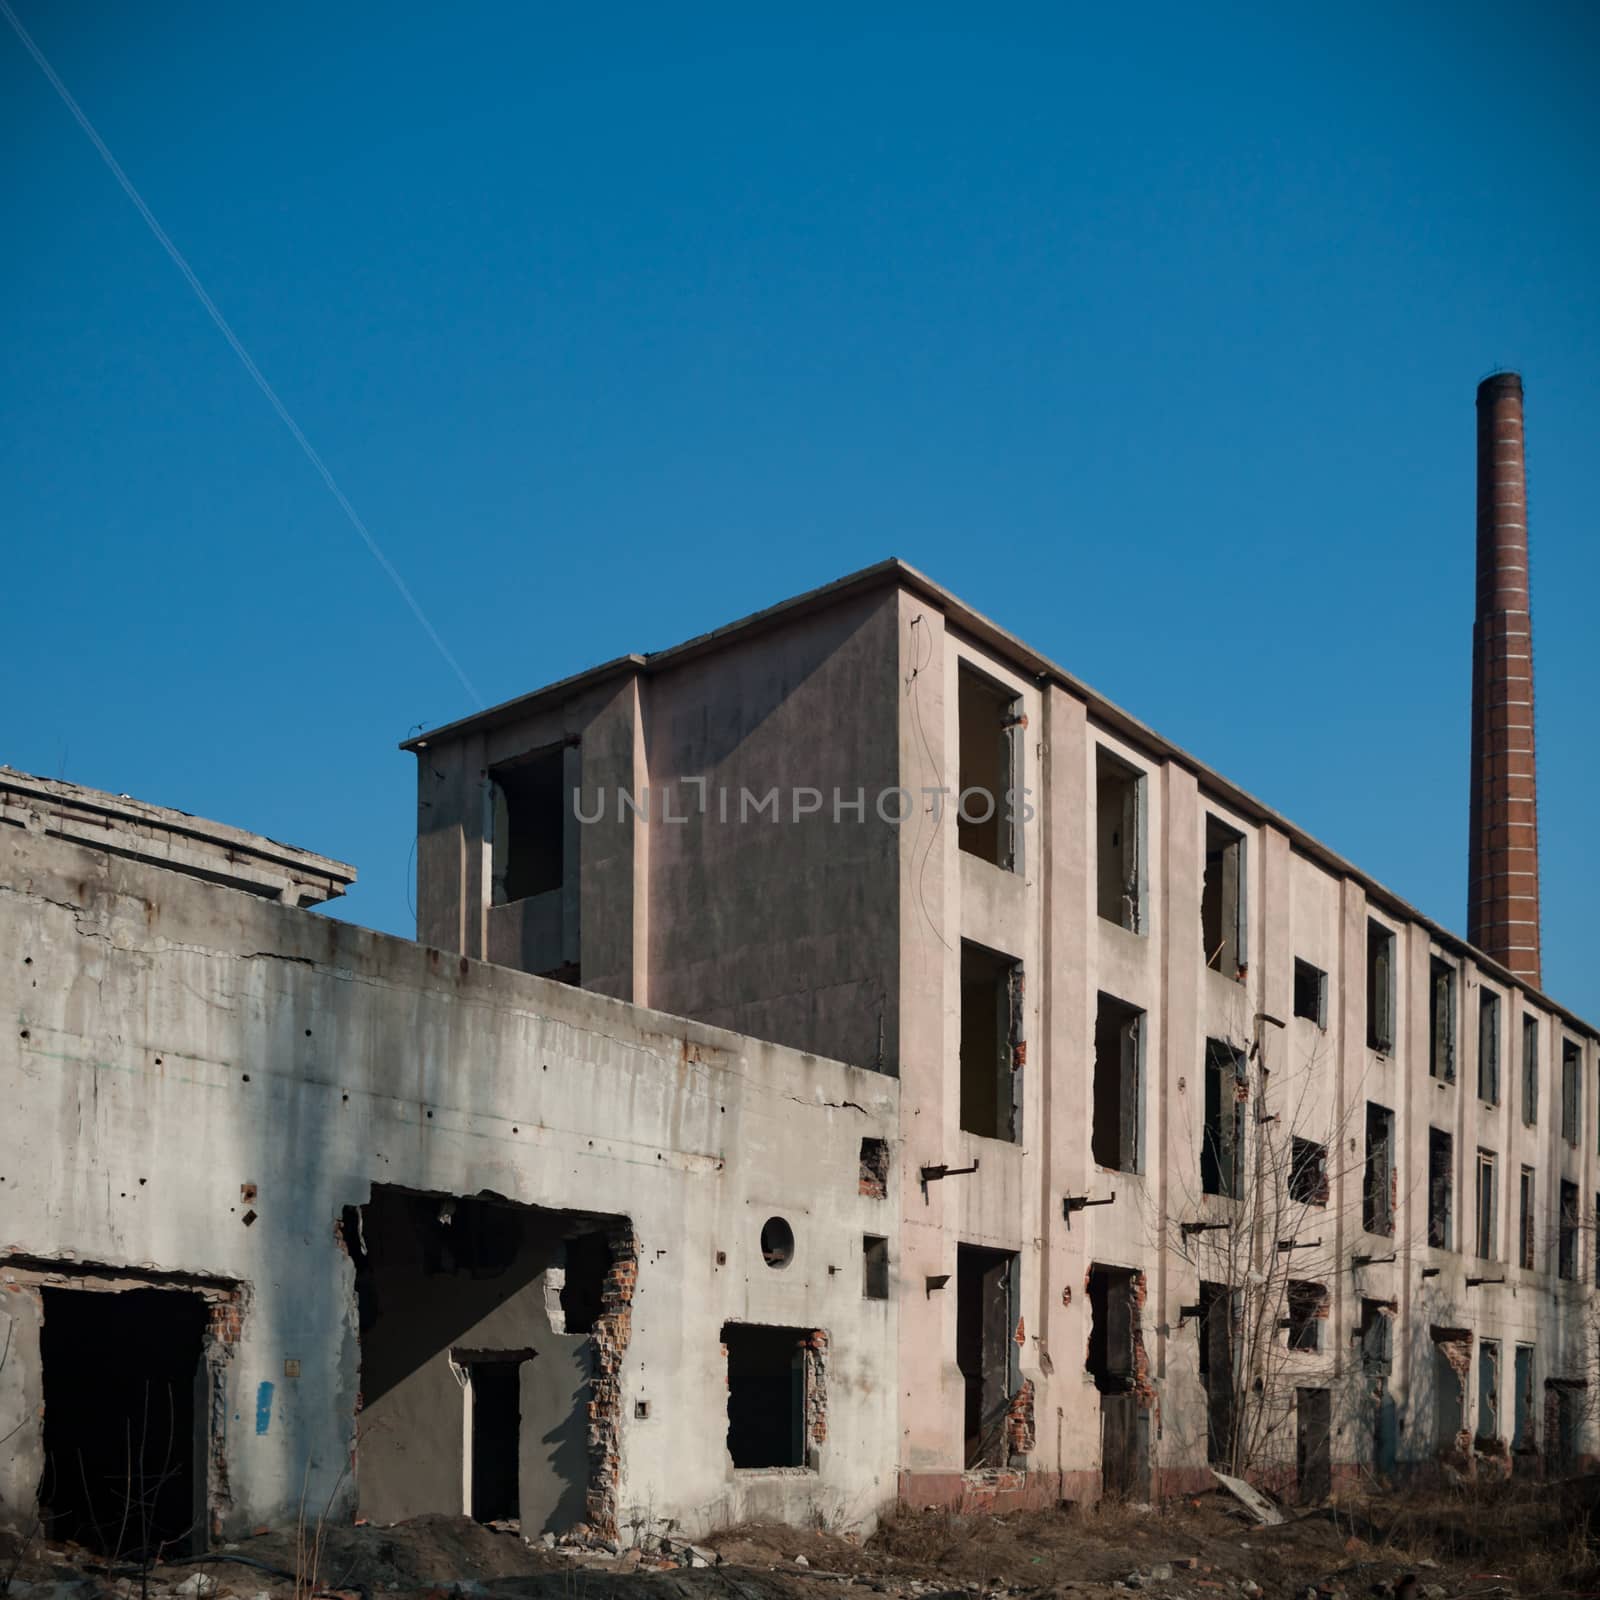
(263, 1407)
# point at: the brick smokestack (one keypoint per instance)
(1503, 874)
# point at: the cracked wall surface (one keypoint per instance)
(212, 1083)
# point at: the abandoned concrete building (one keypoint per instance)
(843, 1057)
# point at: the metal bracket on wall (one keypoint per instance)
(1357, 1262)
(1286, 1245)
(1187, 1228)
(1081, 1202)
(934, 1280)
(1472, 1283)
(934, 1174)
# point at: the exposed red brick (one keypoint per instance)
(612, 1330)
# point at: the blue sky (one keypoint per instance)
(1153, 335)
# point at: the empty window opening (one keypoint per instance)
(1569, 1090)
(1530, 1070)
(123, 1372)
(1489, 1047)
(1118, 1036)
(1376, 1334)
(1488, 1391)
(777, 1242)
(1378, 1180)
(1487, 1204)
(1452, 1370)
(1522, 1428)
(485, 1331)
(1380, 987)
(1525, 1216)
(1222, 899)
(1308, 1308)
(989, 716)
(1310, 993)
(1112, 1328)
(874, 1267)
(874, 1181)
(991, 1042)
(1441, 1020)
(1215, 1328)
(528, 830)
(495, 1387)
(1308, 1172)
(773, 1380)
(1222, 1144)
(586, 1261)
(986, 1351)
(1120, 835)
(1567, 1234)
(1441, 1187)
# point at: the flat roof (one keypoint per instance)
(165, 837)
(894, 573)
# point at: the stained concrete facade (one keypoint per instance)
(846, 931)
(392, 1203)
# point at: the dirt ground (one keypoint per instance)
(1478, 1544)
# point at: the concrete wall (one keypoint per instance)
(200, 1083)
(1319, 1078)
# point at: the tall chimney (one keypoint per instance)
(1503, 874)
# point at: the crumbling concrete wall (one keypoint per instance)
(177, 1047)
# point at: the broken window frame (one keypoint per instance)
(1224, 899)
(1441, 1189)
(1310, 992)
(1002, 849)
(1442, 987)
(1308, 1171)
(1118, 1148)
(1527, 1202)
(1377, 1190)
(1530, 1071)
(1571, 1110)
(1002, 1120)
(1381, 946)
(1120, 782)
(1488, 1428)
(1488, 1047)
(1524, 1422)
(1487, 1206)
(1222, 1134)
(1306, 1304)
(1567, 1232)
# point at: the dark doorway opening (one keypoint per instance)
(510, 1296)
(124, 1470)
(1216, 1370)
(985, 1317)
(1313, 1417)
(1114, 1294)
(766, 1394)
(496, 1439)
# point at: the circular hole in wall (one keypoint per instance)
(777, 1242)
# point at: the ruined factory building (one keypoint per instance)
(1121, 1010)
(845, 1058)
(282, 1196)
